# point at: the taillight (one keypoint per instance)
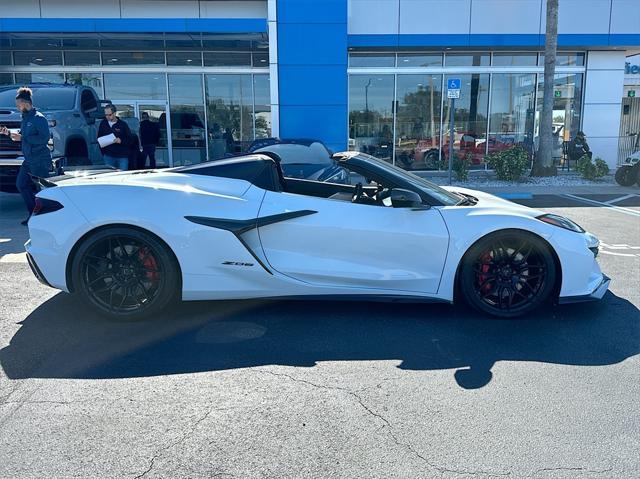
(45, 206)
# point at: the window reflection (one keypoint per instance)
(261, 87)
(512, 111)
(567, 107)
(466, 59)
(229, 114)
(371, 114)
(187, 119)
(470, 121)
(418, 121)
(135, 86)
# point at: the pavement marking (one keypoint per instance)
(620, 247)
(622, 198)
(14, 258)
(619, 209)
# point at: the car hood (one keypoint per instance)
(487, 201)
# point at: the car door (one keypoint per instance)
(338, 243)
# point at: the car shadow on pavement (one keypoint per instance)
(61, 339)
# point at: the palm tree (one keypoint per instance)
(543, 165)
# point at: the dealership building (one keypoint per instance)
(369, 75)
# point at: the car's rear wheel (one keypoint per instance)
(125, 273)
(508, 274)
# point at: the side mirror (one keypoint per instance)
(401, 198)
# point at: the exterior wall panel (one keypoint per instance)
(490, 16)
(71, 9)
(434, 16)
(373, 16)
(625, 16)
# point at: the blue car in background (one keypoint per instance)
(303, 158)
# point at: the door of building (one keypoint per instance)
(131, 112)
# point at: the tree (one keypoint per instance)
(543, 165)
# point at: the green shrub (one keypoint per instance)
(592, 170)
(510, 164)
(461, 167)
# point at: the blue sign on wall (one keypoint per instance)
(453, 84)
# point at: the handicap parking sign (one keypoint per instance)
(453, 84)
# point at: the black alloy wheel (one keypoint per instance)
(125, 273)
(508, 274)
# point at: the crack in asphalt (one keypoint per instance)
(184, 437)
(386, 425)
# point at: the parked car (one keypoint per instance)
(72, 111)
(303, 158)
(427, 152)
(238, 229)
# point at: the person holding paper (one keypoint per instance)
(114, 137)
(34, 135)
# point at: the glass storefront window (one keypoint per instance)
(567, 108)
(41, 58)
(6, 79)
(135, 86)
(187, 59)
(371, 114)
(372, 59)
(564, 59)
(36, 42)
(229, 113)
(5, 58)
(94, 80)
(187, 119)
(262, 91)
(260, 59)
(81, 58)
(81, 43)
(469, 121)
(418, 120)
(227, 59)
(407, 60)
(133, 41)
(133, 58)
(466, 59)
(512, 111)
(28, 78)
(504, 59)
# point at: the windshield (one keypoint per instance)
(295, 154)
(445, 197)
(44, 99)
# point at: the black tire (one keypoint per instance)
(125, 273)
(627, 175)
(507, 274)
(431, 160)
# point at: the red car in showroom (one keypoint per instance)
(426, 152)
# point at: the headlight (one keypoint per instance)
(561, 222)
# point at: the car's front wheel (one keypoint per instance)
(125, 273)
(507, 274)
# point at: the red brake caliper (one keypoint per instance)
(485, 259)
(149, 263)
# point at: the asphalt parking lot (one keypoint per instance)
(255, 389)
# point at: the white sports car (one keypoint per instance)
(131, 243)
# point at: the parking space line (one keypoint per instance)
(619, 209)
(622, 198)
(14, 258)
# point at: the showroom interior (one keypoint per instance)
(357, 74)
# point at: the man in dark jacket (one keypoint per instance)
(149, 139)
(117, 153)
(34, 135)
(578, 147)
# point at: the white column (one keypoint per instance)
(604, 86)
(273, 66)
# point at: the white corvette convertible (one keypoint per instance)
(130, 243)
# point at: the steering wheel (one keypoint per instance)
(358, 193)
